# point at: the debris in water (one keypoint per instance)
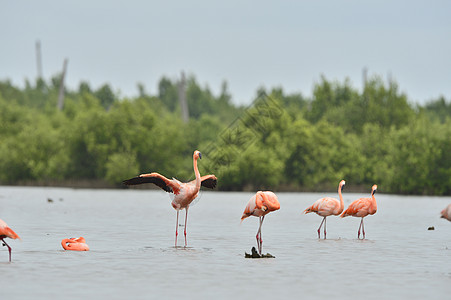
(431, 228)
(254, 254)
(49, 200)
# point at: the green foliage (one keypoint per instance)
(105, 95)
(438, 109)
(279, 142)
(120, 166)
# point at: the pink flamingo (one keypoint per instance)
(446, 213)
(361, 208)
(6, 232)
(260, 205)
(327, 206)
(184, 193)
(75, 244)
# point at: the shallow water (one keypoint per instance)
(132, 256)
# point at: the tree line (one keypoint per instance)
(281, 141)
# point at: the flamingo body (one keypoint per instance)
(75, 244)
(446, 213)
(184, 192)
(327, 206)
(361, 208)
(259, 206)
(7, 232)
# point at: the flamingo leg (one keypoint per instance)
(358, 233)
(186, 219)
(319, 228)
(363, 229)
(260, 247)
(176, 228)
(257, 237)
(325, 221)
(9, 248)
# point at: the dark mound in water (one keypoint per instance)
(254, 254)
(431, 228)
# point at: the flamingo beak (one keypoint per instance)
(200, 155)
(264, 208)
(374, 192)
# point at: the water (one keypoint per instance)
(131, 236)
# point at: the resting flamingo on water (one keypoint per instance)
(75, 244)
(327, 206)
(260, 205)
(446, 213)
(361, 208)
(6, 232)
(184, 193)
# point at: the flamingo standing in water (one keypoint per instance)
(6, 232)
(446, 213)
(184, 193)
(327, 206)
(260, 205)
(361, 208)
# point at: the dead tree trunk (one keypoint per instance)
(61, 92)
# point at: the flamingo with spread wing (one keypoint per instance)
(184, 193)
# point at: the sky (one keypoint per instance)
(248, 44)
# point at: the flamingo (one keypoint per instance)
(446, 213)
(327, 206)
(260, 205)
(75, 244)
(6, 232)
(361, 208)
(184, 193)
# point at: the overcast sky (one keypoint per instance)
(249, 44)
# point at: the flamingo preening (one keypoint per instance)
(327, 206)
(361, 208)
(260, 205)
(75, 244)
(6, 232)
(184, 193)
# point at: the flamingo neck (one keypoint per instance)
(196, 172)
(342, 205)
(64, 243)
(374, 204)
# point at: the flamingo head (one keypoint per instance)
(342, 184)
(373, 190)
(197, 155)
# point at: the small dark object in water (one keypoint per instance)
(431, 228)
(49, 200)
(255, 254)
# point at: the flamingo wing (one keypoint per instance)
(159, 180)
(250, 208)
(323, 207)
(357, 208)
(209, 181)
